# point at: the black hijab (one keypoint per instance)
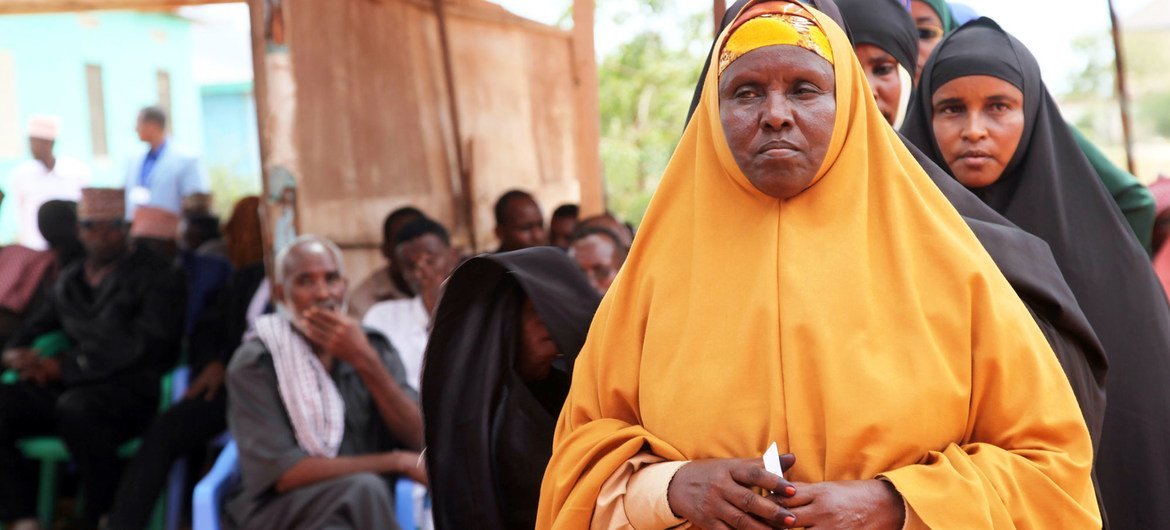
(488, 433)
(1028, 265)
(1050, 190)
(885, 24)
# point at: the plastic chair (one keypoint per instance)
(177, 479)
(210, 491)
(51, 451)
(225, 475)
(406, 510)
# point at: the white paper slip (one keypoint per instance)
(772, 461)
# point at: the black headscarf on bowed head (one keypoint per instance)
(885, 24)
(1050, 190)
(488, 434)
(1028, 265)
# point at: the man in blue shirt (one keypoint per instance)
(165, 176)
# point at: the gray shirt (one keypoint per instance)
(264, 433)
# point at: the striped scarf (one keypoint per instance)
(313, 403)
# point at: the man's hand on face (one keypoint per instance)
(428, 274)
(430, 278)
(337, 334)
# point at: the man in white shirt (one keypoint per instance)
(43, 178)
(423, 248)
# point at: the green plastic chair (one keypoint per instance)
(51, 450)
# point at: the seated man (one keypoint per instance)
(57, 221)
(189, 424)
(122, 311)
(386, 283)
(25, 274)
(610, 222)
(200, 233)
(423, 248)
(563, 223)
(320, 408)
(599, 254)
(519, 223)
(205, 276)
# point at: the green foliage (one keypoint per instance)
(645, 90)
(228, 187)
(1146, 74)
(1095, 79)
(1154, 109)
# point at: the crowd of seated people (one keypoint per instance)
(316, 381)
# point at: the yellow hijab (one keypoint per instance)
(859, 324)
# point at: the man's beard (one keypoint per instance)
(284, 311)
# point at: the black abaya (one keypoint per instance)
(1050, 190)
(488, 433)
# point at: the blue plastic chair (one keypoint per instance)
(177, 479)
(404, 508)
(210, 491)
(225, 475)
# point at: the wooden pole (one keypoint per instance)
(588, 145)
(1122, 91)
(719, 9)
(276, 105)
(465, 195)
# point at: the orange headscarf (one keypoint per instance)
(770, 24)
(859, 324)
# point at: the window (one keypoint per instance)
(97, 110)
(164, 96)
(11, 142)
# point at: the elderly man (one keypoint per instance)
(519, 223)
(320, 407)
(122, 312)
(599, 254)
(165, 176)
(43, 178)
(423, 248)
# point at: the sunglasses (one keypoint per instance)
(927, 33)
(91, 225)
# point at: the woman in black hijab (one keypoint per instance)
(886, 42)
(983, 112)
(1027, 263)
(497, 369)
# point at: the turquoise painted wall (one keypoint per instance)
(231, 143)
(50, 53)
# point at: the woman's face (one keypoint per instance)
(930, 32)
(537, 349)
(777, 106)
(978, 121)
(881, 69)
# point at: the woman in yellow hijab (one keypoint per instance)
(799, 279)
